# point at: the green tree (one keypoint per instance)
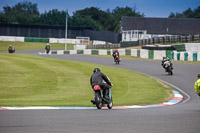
(84, 22)
(189, 13)
(27, 13)
(53, 17)
(98, 16)
(118, 12)
(21, 13)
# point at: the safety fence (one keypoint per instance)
(170, 39)
(142, 53)
(49, 31)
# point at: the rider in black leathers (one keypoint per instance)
(115, 52)
(164, 60)
(11, 49)
(97, 78)
(47, 48)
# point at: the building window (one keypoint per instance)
(133, 35)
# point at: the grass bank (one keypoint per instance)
(31, 45)
(27, 80)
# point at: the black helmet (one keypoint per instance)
(198, 75)
(96, 70)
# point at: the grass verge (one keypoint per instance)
(28, 80)
(32, 45)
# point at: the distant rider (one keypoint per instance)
(98, 78)
(47, 48)
(115, 52)
(165, 59)
(197, 85)
(11, 49)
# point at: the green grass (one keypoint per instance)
(27, 80)
(31, 45)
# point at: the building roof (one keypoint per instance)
(173, 26)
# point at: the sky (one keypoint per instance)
(150, 8)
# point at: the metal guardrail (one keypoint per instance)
(169, 39)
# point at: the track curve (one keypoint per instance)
(183, 118)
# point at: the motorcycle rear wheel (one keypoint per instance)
(170, 71)
(98, 100)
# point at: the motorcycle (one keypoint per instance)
(116, 59)
(168, 67)
(11, 50)
(100, 99)
(47, 50)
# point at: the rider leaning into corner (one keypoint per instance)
(197, 85)
(164, 60)
(98, 78)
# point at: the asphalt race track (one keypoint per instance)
(180, 118)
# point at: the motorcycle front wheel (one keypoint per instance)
(110, 104)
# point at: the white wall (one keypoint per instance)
(192, 47)
(87, 51)
(134, 52)
(62, 40)
(121, 51)
(102, 52)
(159, 54)
(144, 53)
(80, 47)
(11, 39)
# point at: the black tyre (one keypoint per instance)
(98, 100)
(170, 71)
(110, 104)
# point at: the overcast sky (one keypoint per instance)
(150, 8)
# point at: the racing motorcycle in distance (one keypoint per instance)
(47, 50)
(100, 99)
(11, 49)
(116, 59)
(168, 67)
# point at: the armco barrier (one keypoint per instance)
(142, 53)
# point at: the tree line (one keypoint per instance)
(109, 20)
(27, 13)
(189, 13)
